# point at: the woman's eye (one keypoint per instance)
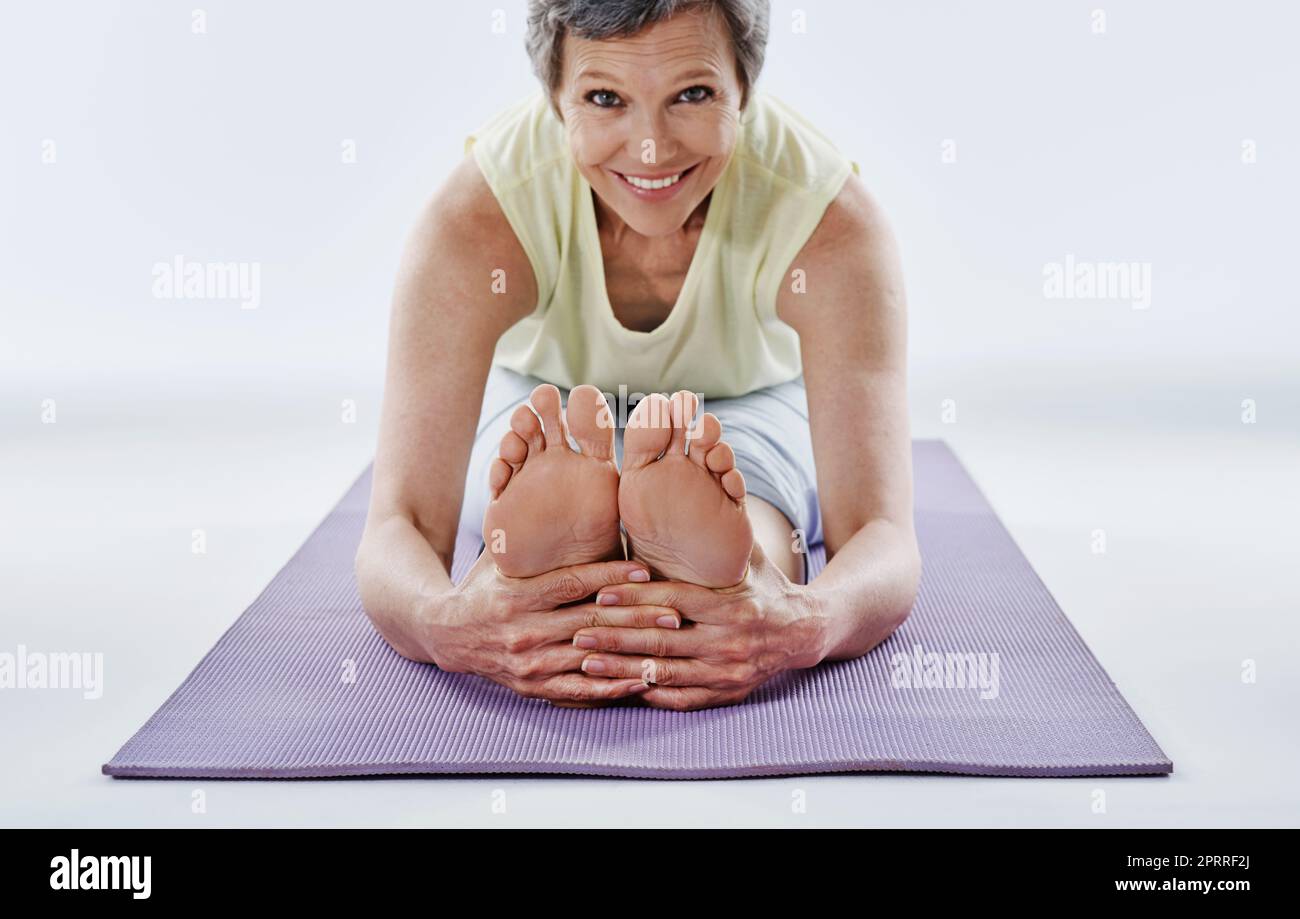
(696, 94)
(603, 98)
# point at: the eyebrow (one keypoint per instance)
(707, 73)
(595, 75)
(698, 73)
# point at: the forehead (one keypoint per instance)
(694, 38)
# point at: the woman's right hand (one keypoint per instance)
(518, 632)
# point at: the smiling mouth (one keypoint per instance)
(655, 183)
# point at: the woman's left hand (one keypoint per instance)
(731, 640)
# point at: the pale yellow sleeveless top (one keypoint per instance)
(723, 337)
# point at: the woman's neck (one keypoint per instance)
(615, 230)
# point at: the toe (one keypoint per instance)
(590, 422)
(684, 406)
(721, 459)
(546, 399)
(733, 482)
(525, 425)
(648, 431)
(498, 476)
(704, 437)
(513, 448)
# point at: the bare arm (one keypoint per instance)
(444, 326)
(852, 325)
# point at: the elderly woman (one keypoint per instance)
(649, 222)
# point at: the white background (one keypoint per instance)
(1073, 416)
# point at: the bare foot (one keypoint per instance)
(552, 507)
(684, 512)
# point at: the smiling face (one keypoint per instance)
(652, 119)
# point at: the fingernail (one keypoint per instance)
(606, 599)
(584, 641)
(640, 687)
(640, 575)
(591, 665)
(666, 622)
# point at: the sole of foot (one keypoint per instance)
(681, 497)
(552, 506)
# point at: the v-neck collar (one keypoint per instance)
(704, 246)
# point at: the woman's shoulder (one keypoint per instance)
(523, 156)
(788, 174)
(521, 141)
(780, 140)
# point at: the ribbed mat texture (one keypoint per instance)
(987, 677)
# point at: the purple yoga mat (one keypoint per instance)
(270, 700)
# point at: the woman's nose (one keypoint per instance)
(650, 141)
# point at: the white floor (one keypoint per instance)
(1199, 512)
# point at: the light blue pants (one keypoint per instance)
(767, 429)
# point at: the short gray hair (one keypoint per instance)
(550, 20)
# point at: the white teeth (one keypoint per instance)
(651, 184)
